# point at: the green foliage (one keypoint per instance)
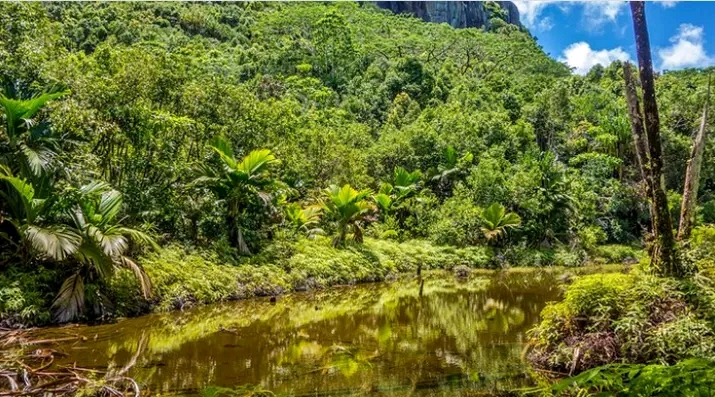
(181, 279)
(625, 317)
(141, 97)
(304, 219)
(458, 222)
(349, 209)
(497, 221)
(25, 298)
(238, 184)
(692, 377)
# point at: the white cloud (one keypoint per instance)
(687, 49)
(598, 13)
(582, 57)
(595, 13)
(530, 11)
(668, 4)
(544, 25)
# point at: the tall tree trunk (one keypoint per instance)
(638, 131)
(692, 175)
(663, 255)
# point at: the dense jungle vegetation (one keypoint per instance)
(163, 154)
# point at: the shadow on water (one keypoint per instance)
(443, 337)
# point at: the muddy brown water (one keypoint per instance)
(447, 337)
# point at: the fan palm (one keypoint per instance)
(496, 221)
(304, 219)
(449, 170)
(29, 148)
(404, 185)
(349, 208)
(30, 238)
(95, 240)
(103, 247)
(238, 182)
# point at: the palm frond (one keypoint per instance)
(112, 243)
(91, 253)
(37, 160)
(383, 201)
(403, 178)
(137, 236)
(496, 221)
(141, 276)
(256, 162)
(223, 148)
(241, 243)
(109, 205)
(94, 187)
(53, 241)
(69, 302)
(17, 109)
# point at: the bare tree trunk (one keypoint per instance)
(692, 175)
(663, 255)
(640, 141)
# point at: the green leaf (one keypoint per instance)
(55, 242)
(69, 302)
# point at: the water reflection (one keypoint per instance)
(380, 338)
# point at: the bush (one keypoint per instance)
(25, 296)
(182, 279)
(458, 223)
(615, 253)
(635, 318)
(699, 249)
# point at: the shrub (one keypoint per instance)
(458, 223)
(181, 278)
(25, 296)
(615, 253)
(635, 318)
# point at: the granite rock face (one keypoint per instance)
(459, 14)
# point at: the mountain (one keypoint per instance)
(459, 14)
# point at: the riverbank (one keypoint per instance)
(340, 339)
(635, 318)
(182, 278)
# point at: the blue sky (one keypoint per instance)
(588, 32)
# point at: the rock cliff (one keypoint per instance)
(460, 14)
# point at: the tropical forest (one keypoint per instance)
(273, 199)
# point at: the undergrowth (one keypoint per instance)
(688, 378)
(632, 318)
(182, 278)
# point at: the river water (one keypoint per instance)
(443, 337)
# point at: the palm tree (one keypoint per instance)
(23, 229)
(497, 221)
(392, 197)
(237, 183)
(304, 219)
(450, 169)
(29, 147)
(95, 240)
(349, 208)
(103, 247)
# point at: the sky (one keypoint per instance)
(583, 34)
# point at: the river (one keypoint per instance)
(444, 337)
